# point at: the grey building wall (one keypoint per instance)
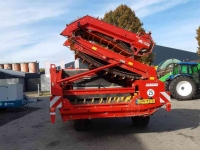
(163, 53)
(82, 66)
(31, 84)
(45, 83)
(73, 65)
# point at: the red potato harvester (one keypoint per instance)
(115, 84)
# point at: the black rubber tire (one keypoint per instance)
(140, 121)
(134, 120)
(82, 124)
(175, 94)
(167, 83)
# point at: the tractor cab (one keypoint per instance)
(187, 69)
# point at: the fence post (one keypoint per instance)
(38, 90)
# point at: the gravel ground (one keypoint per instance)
(30, 129)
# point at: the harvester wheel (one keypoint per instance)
(140, 121)
(183, 88)
(82, 124)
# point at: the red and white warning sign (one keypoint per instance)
(150, 92)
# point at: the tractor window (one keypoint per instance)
(198, 66)
(190, 69)
(184, 69)
(175, 70)
(195, 74)
(195, 69)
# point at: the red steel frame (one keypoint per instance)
(111, 57)
(136, 40)
(138, 89)
(69, 111)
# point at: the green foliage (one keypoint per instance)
(125, 18)
(148, 59)
(198, 40)
(42, 70)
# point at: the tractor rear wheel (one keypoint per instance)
(167, 83)
(140, 121)
(183, 88)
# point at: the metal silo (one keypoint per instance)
(24, 67)
(1, 66)
(16, 67)
(32, 67)
(8, 66)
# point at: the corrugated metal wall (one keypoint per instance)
(163, 53)
(31, 84)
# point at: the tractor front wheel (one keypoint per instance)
(183, 88)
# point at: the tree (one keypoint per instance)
(198, 40)
(148, 59)
(42, 70)
(125, 18)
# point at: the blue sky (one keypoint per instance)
(30, 30)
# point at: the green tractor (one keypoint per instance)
(182, 79)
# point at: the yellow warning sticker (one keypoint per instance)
(146, 101)
(130, 63)
(94, 48)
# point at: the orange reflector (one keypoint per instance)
(130, 63)
(53, 118)
(94, 48)
(168, 106)
(52, 109)
(151, 78)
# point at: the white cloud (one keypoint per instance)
(137, 6)
(19, 12)
(146, 8)
(178, 34)
(21, 41)
(13, 39)
(142, 8)
(50, 49)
